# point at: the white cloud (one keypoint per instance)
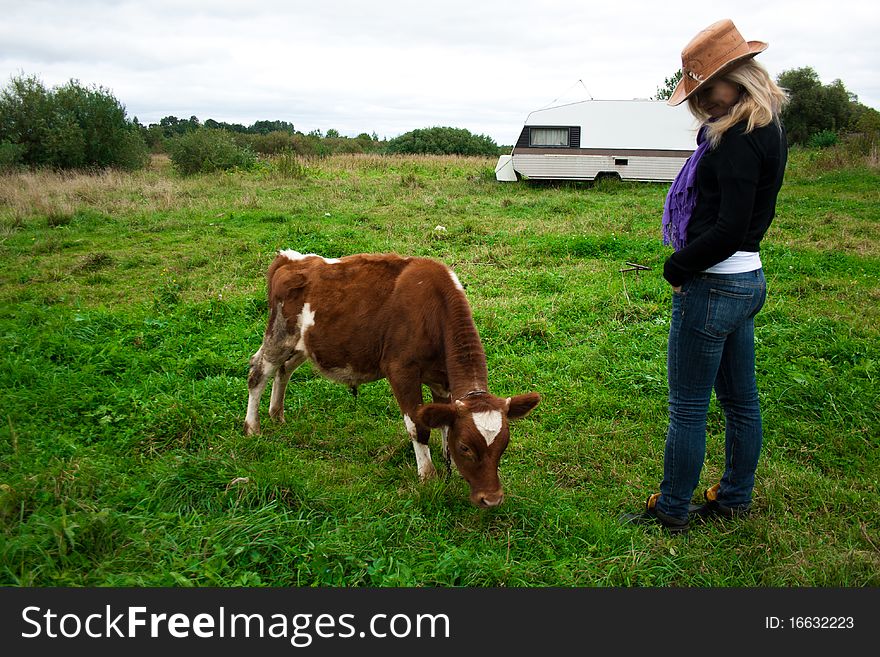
(391, 66)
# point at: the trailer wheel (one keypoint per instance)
(607, 175)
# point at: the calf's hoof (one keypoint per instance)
(427, 474)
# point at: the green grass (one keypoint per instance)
(130, 304)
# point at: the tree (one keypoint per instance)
(669, 84)
(814, 107)
(866, 120)
(172, 126)
(265, 127)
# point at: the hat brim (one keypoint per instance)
(682, 90)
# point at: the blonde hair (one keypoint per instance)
(760, 102)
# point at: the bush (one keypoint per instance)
(269, 143)
(67, 127)
(443, 141)
(98, 127)
(289, 166)
(823, 139)
(131, 151)
(205, 150)
(866, 137)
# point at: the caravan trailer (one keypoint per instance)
(644, 140)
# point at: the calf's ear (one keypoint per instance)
(436, 415)
(521, 404)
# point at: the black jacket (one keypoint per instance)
(737, 184)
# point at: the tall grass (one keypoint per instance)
(130, 303)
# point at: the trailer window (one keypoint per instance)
(548, 137)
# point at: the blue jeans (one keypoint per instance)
(712, 344)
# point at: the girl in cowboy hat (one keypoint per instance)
(716, 213)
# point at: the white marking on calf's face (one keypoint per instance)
(488, 423)
(306, 320)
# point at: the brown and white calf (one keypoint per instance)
(366, 317)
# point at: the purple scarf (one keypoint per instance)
(682, 197)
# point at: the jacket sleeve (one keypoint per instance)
(738, 169)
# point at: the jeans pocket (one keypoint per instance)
(727, 311)
(683, 288)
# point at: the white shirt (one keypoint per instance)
(739, 263)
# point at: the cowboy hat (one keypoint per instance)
(713, 52)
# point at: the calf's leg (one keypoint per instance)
(279, 386)
(408, 391)
(260, 371)
(441, 396)
(277, 352)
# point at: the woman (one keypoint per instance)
(717, 212)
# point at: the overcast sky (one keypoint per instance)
(390, 66)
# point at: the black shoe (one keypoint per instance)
(652, 516)
(714, 508)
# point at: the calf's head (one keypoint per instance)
(478, 435)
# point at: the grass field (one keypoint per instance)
(130, 304)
